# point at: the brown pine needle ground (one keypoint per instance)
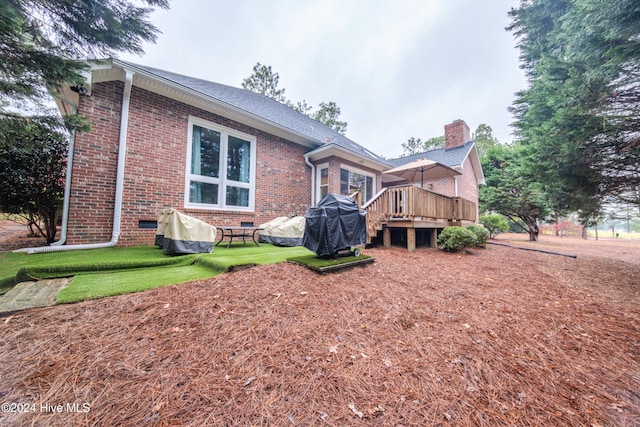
(495, 336)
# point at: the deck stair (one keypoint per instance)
(411, 207)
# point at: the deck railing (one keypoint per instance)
(376, 213)
(413, 203)
(464, 209)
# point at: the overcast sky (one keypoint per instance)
(396, 68)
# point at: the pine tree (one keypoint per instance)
(46, 42)
(265, 81)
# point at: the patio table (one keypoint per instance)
(238, 232)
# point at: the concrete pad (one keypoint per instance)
(41, 293)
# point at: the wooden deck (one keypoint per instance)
(410, 208)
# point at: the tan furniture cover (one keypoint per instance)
(283, 231)
(178, 233)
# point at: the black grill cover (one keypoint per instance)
(334, 225)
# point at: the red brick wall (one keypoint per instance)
(456, 134)
(468, 184)
(94, 167)
(444, 186)
(155, 168)
(335, 164)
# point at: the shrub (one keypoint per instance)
(482, 234)
(454, 239)
(495, 224)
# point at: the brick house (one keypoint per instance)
(459, 153)
(222, 154)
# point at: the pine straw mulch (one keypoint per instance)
(490, 337)
(14, 235)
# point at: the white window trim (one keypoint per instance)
(365, 173)
(222, 180)
(319, 178)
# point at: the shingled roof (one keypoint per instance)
(453, 157)
(261, 106)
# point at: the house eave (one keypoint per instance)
(329, 150)
(145, 80)
(474, 156)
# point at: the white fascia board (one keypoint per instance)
(477, 166)
(329, 150)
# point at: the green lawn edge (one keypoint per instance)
(96, 285)
(17, 267)
(110, 283)
(52, 272)
(105, 272)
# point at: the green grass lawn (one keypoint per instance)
(99, 285)
(607, 234)
(112, 271)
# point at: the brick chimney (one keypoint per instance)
(456, 134)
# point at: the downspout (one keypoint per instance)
(67, 184)
(117, 208)
(455, 186)
(313, 178)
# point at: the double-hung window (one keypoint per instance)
(220, 168)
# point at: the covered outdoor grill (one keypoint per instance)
(335, 224)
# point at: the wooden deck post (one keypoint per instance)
(386, 237)
(411, 239)
(434, 238)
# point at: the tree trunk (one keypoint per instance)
(532, 229)
(584, 232)
(50, 227)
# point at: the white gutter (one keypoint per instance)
(313, 178)
(117, 208)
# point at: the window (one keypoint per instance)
(220, 168)
(352, 181)
(323, 181)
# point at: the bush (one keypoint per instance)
(454, 239)
(482, 234)
(495, 224)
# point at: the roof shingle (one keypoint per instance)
(263, 107)
(452, 157)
